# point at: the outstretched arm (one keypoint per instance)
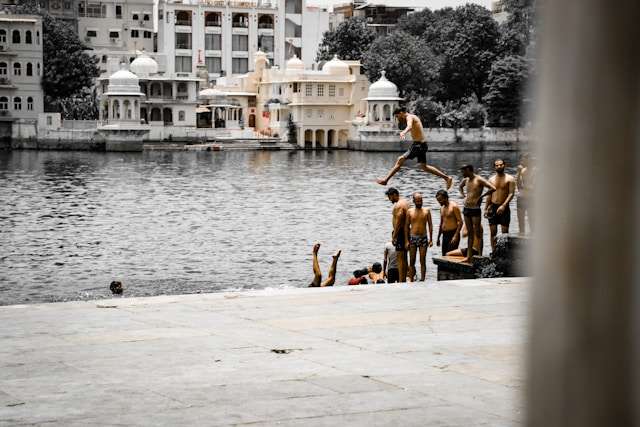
(430, 225)
(463, 183)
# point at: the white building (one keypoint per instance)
(318, 19)
(21, 67)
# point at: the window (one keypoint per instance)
(135, 34)
(92, 33)
(296, 88)
(240, 43)
(104, 59)
(212, 19)
(181, 116)
(214, 64)
(320, 90)
(27, 37)
(29, 69)
(240, 65)
(15, 38)
(17, 103)
(118, 12)
(341, 91)
(183, 40)
(212, 42)
(308, 89)
(3, 68)
(387, 112)
(332, 90)
(67, 5)
(114, 34)
(265, 43)
(147, 34)
(3, 36)
(17, 69)
(145, 17)
(240, 20)
(183, 17)
(134, 17)
(30, 103)
(4, 103)
(37, 37)
(183, 64)
(38, 67)
(265, 22)
(49, 120)
(96, 10)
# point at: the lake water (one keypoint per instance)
(186, 222)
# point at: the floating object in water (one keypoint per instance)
(116, 287)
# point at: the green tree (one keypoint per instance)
(518, 32)
(416, 23)
(408, 61)
(350, 40)
(506, 90)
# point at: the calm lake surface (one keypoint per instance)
(187, 222)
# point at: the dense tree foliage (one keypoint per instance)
(349, 41)
(506, 90)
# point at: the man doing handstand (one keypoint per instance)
(317, 273)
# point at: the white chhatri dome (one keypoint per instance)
(211, 93)
(295, 63)
(144, 65)
(383, 90)
(336, 67)
(123, 82)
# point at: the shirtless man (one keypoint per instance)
(472, 211)
(419, 219)
(317, 273)
(400, 235)
(450, 222)
(496, 208)
(418, 149)
(524, 181)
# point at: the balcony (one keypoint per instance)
(6, 50)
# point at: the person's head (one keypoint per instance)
(360, 272)
(498, 166)
(417, 200)
(393, 194)
(400, 113)
(376, 268)
(116, 287)
(442, 197)
(467, 171)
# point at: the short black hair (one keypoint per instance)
(442, 193)
(399, 110)
(467, 167)
(359, 273)
(376, 267)
(392, 191)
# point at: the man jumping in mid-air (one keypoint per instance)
(418, 149)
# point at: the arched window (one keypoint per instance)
(3, 36)
(17, 103)
(135, 17)
(15, 38)
(4, 103)
(376, 115)
(3, 68)
(17, 69)
(387, 112)
(38, 67)
(37, 37)
(181, 116)
(104, 59)
(145, 17)
(30, 103)
(27, 37)
(29, 69)
(183, 17)
(127, 109)
(116, 110)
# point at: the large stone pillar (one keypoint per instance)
(584, 360)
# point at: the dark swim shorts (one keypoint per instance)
(417, 151)
(464, 251)
(471, 212)
(503, 219)
(400, 243)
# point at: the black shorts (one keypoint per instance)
(474, 251)
(401, 243)
(447, 247)
(417, 151)
(494, 219)
(393, 275)
(472, 212)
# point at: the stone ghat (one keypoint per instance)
(447, 353)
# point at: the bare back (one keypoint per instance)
(418, 221)
(505, 186)
(449, 216)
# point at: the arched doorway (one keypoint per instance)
(156, 115)
(343, 138)
(331, 138)
(320, 142)
(167, 116)
(252, 120)
(143, 114)
(308, 139)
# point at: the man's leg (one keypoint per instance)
(468, 221)
(411, 275)
(331, 279)
(493, 231)
(393, 171)
(402, 266)
(423, 263)
(437, 172)
(477, 229)
(317, 273)
(520, 210)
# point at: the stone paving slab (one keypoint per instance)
(437, 354)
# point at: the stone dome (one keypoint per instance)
(123, 82)
(336, 67)
(383, 90)
(144, 65)
(211, 94)
(295, 63)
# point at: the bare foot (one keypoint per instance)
(449, 181)
(381, 181)
(337, 254)
(316, 248)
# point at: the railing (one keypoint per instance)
(265, 26)
(240, 25)
(213, 23)
(183, 22)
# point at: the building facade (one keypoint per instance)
(21, 67)
(380, 17)
(312, 34)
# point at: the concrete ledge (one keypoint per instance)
(411, 355)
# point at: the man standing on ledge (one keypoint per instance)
(472, 212)
(400, 235)
(419, 219)
(496, 208)
(450, 222)
(418, 149)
